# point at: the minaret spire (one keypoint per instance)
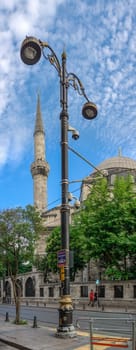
(39, 168)
(39, 123)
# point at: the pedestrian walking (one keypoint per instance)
(95, 297)
(91, 298)
(96, 300)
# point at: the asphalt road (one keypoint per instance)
(102, 322)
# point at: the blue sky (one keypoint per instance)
(99, 37)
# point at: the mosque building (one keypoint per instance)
(34, 287)
(111, 167)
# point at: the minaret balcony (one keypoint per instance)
(40, 167)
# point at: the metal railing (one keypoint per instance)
(104, 331)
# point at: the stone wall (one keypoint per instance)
(118, 293)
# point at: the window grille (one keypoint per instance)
(118, 291)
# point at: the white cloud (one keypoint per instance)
(8, 5)
(19, 24)
(4, 149)
(100, 45)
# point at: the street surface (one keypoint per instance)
(103, 322)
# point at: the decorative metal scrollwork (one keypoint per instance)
(77, 85)
(50, 56)
(72, 79)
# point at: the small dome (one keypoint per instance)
(115, 165)
(118, 162)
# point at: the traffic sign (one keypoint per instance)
(97, 281)
(61, 258)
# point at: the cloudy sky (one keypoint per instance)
(99, 37)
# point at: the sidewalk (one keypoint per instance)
(41, 338)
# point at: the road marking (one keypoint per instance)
(101, 342)
(87, 347)
(110, 341)
(83, 347)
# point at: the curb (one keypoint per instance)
(13, 344)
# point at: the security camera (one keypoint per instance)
(70, 196)
(75, 134)
(77, 204)
(105, 172)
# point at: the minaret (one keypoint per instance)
(39, 168)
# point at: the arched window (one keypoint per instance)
(7, 290)
(30, 287)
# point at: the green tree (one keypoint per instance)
(104, 229)
(19, 232)
(42, 264)
(108, 221)
(52, 248)
(77, 246)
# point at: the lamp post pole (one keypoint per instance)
(31, 51)
(64, 176)
(65, 311)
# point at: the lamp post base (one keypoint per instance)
(66, 328)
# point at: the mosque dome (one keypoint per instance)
(116, 165)
(118, 162)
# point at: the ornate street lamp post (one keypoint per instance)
(31, 51)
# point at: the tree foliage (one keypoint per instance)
(104, 230)
(108, 221)
(19, 231)
(77, 246)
